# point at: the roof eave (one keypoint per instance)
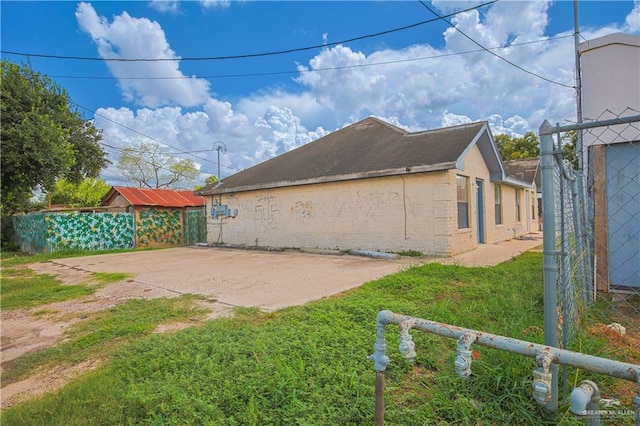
(511, 181)
(334, 178)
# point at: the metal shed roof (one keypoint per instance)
(155, 197)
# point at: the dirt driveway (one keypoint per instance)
(268, 280)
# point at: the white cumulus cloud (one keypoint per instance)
(416, 87)
(129, 37)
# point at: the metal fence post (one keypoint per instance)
(549, 249)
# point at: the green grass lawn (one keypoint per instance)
(308, 365)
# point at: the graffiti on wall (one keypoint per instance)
(303, 209)
(267, 213)
(159, 227)
(365, 206)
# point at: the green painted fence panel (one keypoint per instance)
(51, 232)
(30, 231)
(157, 227)
(90, 231)
(195, 227)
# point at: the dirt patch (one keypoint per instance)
(42, 382)
(28, 330)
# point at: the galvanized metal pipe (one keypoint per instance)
(550, 265)
(379, 414)
(621, 370)
(544, 130)
(546, 356)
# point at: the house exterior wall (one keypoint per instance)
(390, 214)
(474, 168)
(121, 202)
(396, 213)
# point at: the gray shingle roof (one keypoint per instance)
(370, 147)
(525, 170)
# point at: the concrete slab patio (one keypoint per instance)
(270, 280)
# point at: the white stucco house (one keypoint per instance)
(374, 186)
(611, 155)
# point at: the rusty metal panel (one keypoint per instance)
(160, 197)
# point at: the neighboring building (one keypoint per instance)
(163, 217)
(125, 198)
(611, 155)
(374, 186)
(528, 170)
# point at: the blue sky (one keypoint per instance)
(423, 77)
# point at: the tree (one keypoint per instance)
(514, 148)
(208, 181)
(569, 143)
(87, 193)
(148, 167)
(43, 137)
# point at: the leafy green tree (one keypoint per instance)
(43, 137)
(87, 193)
(148, 167)
(510, 148)
(208, 181)
(569, 143)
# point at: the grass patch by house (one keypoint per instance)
(308, 365)
(102, 333)
(12, 258)
(23, 288)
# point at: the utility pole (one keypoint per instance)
(219, 146)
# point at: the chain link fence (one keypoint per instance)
(591, 225)
(595, 220)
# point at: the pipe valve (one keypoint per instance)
(542, 387)
(379, 357)
(407, 348)
(464, 355)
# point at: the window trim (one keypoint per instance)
(497, 197)
(466, 223)
(518, 206)
(533, 205)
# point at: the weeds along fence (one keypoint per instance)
(591, 224)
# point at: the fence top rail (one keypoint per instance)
(550, 129)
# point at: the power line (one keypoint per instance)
(263, 74)
(154, 165)
(249, 55)
(181, 151)
(444, 18)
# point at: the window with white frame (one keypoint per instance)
(533, 205)
(462, 185)
(498, 203)
(518, 205)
